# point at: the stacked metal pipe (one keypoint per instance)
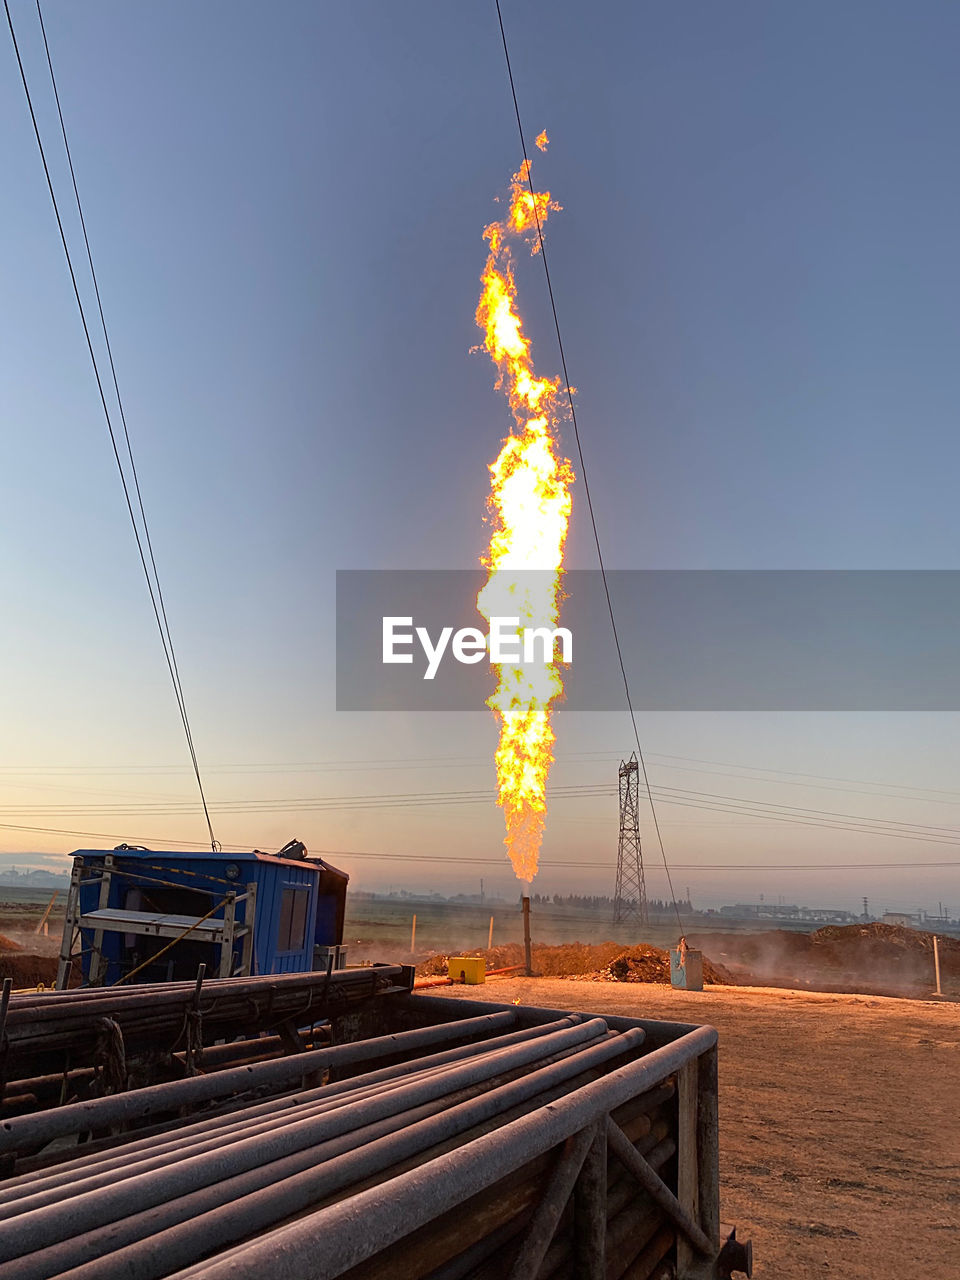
(45, 1034)
(389, 1228)
(175, 1190)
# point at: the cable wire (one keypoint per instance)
(156, 599)
(156, 843)
(175, 672)
(583, 467)
(671, 796)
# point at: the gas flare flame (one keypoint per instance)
(529, 507)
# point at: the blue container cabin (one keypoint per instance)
(144, 915)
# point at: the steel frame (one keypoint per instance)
(332, 1240)
(222, 932)
(384, 1169)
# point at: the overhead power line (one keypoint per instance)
(583, 466)
(674, 797)
(171, 842)
(771, 777)
(579, 791)
(783, 777)
(153, 582)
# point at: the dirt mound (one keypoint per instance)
(28, 971)
(644, 963)
(874, 958)
(8, 944)
(566, 961)
(893, 935)
(602, 961)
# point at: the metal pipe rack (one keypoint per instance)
(133, 1033)
(470, 1141)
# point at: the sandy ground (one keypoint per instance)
(839, 1120)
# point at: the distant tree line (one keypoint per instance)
(603, 902)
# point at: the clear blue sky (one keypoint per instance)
(758, 284)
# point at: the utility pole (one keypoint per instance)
(630, 899)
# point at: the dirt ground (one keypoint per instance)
(839, 1120)
(25, 957)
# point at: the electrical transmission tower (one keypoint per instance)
(631, 896)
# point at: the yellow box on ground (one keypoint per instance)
(469, 969)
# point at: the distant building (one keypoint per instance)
(828, 915)
(784, 911)
(33, 879)
(899, 917)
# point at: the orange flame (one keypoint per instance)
(530, 508)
